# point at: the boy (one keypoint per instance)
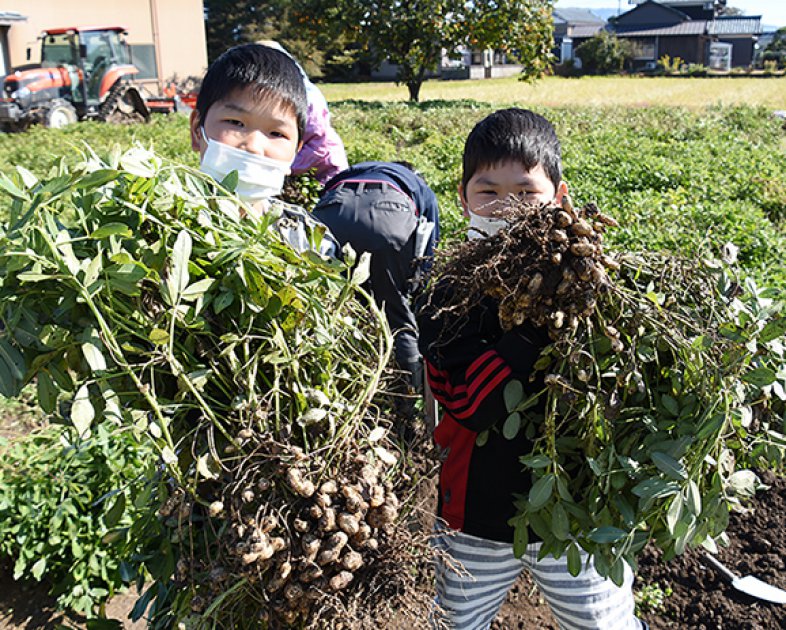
(387, 209)
(469, 360)
(250, 118)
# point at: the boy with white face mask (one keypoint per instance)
(249, 119)
(469, 360)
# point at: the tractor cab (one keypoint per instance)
(96, 58)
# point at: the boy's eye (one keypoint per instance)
(234, 122)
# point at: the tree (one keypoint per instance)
(232, 22)
(776, 49)
(414, 33)
(604, 53)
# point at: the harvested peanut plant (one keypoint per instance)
(664, 383)
(135, 294)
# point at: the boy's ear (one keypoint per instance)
(463, 201)
(562, 190)
(196, 133)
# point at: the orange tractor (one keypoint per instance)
(84, 74)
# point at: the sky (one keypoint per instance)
(773, 12)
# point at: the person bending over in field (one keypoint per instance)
(250, 118)
(469, 360)
(387, 209)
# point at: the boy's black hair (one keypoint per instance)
(513, 135)
(269, 73)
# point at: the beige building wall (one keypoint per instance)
(175, 27)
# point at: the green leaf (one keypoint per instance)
(47, 392)
(540, 492)
(28, 178)
(693, 497)
(513, 394)
(774, 329)
(19, 567)
(362, 270)
(559, 522)
(139, 162)
(112, 229)
(197, 289)
(617, 573)
(224, 299)
(606, 534)
(207, 467)
(126, 278)
(669, 466)
(655, 488)
(574, 559)
(13, 359)
(761, 377)
(168, 455)
(178, 277)
(482, 438)
(12, 189)
(711, 426)
(37, 570)
(231, 180)
(670, 405)
(158, 336)
(96, 179)
(535, 461)
(115, 513)
(91, 349)
(512, 425)
(82, 412)
(520, 538)
(624, 508)
(675, 513)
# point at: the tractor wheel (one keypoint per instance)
(59, 114)
(124, 105)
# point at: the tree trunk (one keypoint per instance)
(414, 89)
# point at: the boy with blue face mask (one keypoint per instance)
(469, 360)
(250, 118)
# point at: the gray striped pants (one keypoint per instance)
(469, 599)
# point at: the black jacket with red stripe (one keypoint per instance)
(469, 360)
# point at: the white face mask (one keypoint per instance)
(481, 227)
(259, 177)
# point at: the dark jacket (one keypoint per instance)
(404, 180)
(469, 361)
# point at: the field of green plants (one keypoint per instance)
(681, 181)
(678, 180)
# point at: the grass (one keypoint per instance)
(584, 91)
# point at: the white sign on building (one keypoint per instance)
(720, 56)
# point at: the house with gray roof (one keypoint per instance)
(571, 27)
(697, 31)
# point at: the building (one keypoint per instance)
(693, 30)
(166, 37)
(571, 27)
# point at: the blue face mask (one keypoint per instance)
(259, 177)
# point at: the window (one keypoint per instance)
(143, 56)
(58, 50)
(643, 49)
